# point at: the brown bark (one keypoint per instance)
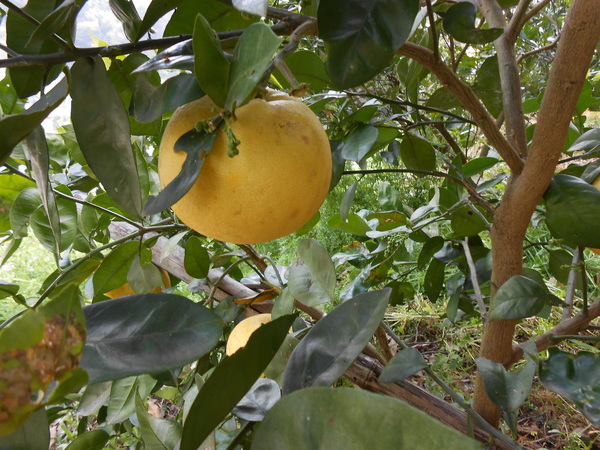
(579, 38)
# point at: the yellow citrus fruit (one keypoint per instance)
(127, 290)
(273, 186)
(241, 332)
(596, 184)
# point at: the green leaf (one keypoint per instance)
(417, 154)
(576, 377)
(197, 259)
(488, 87)
(388, 220)
(335, 341)
(560, 262)
(90, 440)
(14, 128)
(573, 210)
(121, 403)
(155, 11)
(404, 364)
(459, 21)
(251, 58)
(308, 68)
(312, 278)
(150, 102)
(112, 272)
(197, 145)
(157, 433)
(101, 125)
(466, 222)
(143, 277)
(258, 401)
(33, 434)
(8, 289)
(211, 66)
(478, 165)
(146, 334)
(360, 142)
(125, 11)
(220, 16)
(434, 279)
(361, 37)
(519, 297)
(586, 142)
(347, 200)
(94, 397)
(231, 380)
(54, 22)
(345, 418)
(67, 226)
(354, 225)
(430, 248)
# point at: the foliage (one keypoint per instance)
(463, 175)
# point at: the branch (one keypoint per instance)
(467, 97)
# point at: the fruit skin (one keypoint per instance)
(596, 184)
(241, 332)
(126, 288)
(273, 186)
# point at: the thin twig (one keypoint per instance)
(571, 285)
(538, 50)
(434, 35)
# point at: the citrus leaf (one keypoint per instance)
(211, 66)
(311, 278)
(157, 433)
(155, 11)
(417, 154)
(34, 433)
(112, 272)
(197, 145)
(587, 141)
(430, 248)
(146, 334)
(258, 401)
(220, 16)
(576, 377)
(404, 364)
(90, 440)
(308, 68)
(150, 102)
(347, 201)
(125, 11)
(177, 56)
(519, 297)
(478, 165)
(335, 341)
(361, 37)
(388, 220)
(353, 225)
(251, 58)
(54, 22)
(573, 210)
(143, 277)
(67, 226)
(466, 222)
(231, 380)
(346, 418)
(434, 279)
(360, 142)
(459, 21)
(121, 403)
(94, 397)
(197, 259)
(14, 128)
(488, 87)
(101, 125)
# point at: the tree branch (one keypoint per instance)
(467, 97)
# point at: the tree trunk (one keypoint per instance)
(574, 53)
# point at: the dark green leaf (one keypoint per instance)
(54, 22)
(573, 210)
(196, 260)
(90, 440)
(155, 11)
(404, 364)
(121, 403)
(220, 16)
(157, 433)
(347, 200)
(178, 56)
(15, 128)
(359, 143)
(466, 222)
(576, 377)
(459, 21)
(251, 58)
(67, 215)
(150, 102)
(197, 145)
(146, 334)
(518, 298)
(211, 66)
(335, 341)
(125, 11)
(388, 220)
(143, 277)
(434, 279)
(478, 165)
(231, 380)
(345, 418)
(560, 264)
(101, 125)
(112, 272)
(488, 87)
(361, 37)
(417, 153)
(401, 290)
(33, 434)
(430, 248)
(312, 278)
(308, 68)
(587, 141)
(258, 401)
